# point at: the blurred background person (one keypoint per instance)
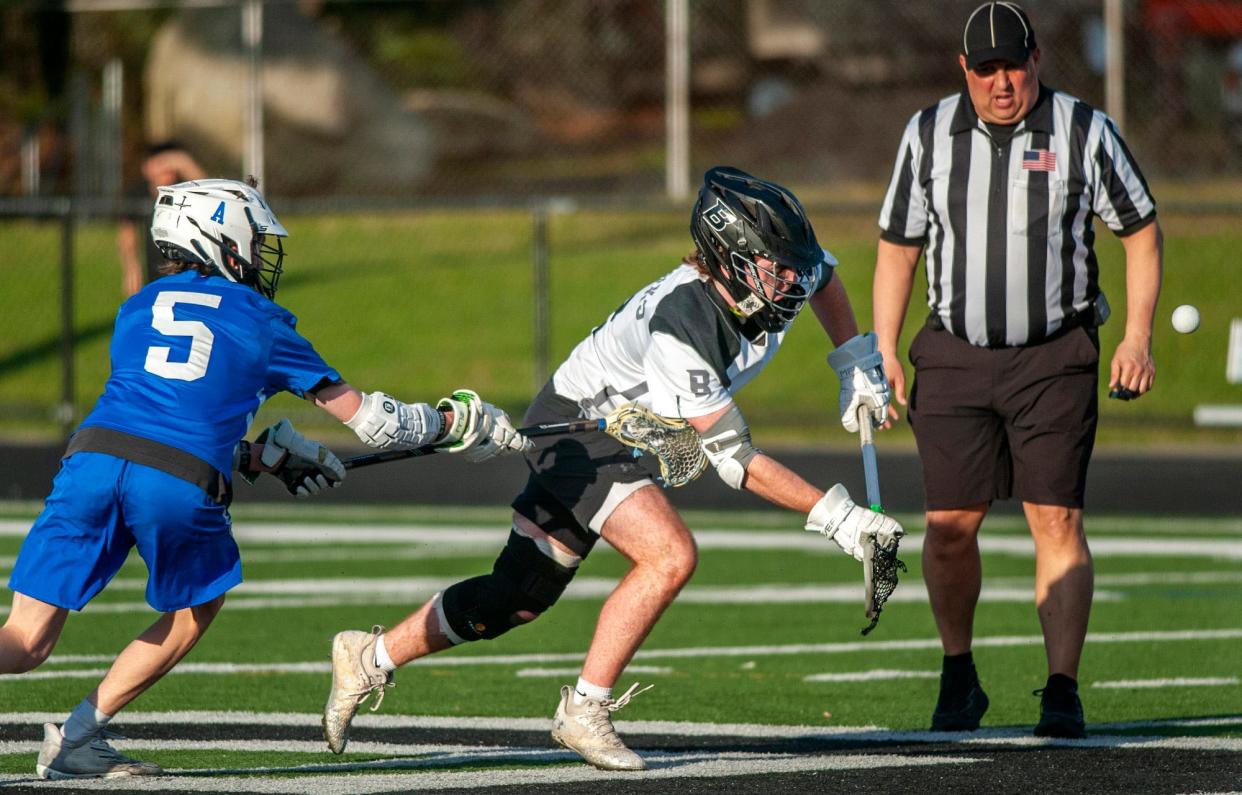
(165, 163)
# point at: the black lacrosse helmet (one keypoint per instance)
(739, 218)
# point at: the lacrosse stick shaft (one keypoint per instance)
(370, 459)
(542, 429)
(573, 426)
(866, 439)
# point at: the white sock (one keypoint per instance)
(83, 723)
(382, 660)
(585, 690)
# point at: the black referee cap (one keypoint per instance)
(997, 31)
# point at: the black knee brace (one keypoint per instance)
(523, 578)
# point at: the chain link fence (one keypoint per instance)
(444, 101)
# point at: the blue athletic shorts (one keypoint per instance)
(100, 507)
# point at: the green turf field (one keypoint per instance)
(766, 633)
(420, 303)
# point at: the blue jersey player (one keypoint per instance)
(194, 355)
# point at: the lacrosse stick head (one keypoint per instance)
(880, 567)
(673, 442)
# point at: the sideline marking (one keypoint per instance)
(878, 675)
(1208, 681)
(573, 673)
(201, 718)
(401, 589)
(466, 538)
(352, 591)
(998, 641)
(298, 747)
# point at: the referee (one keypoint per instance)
(998, 186)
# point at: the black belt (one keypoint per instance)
(170, 460)
(1072, 321)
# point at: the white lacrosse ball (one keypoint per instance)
(1185, 318)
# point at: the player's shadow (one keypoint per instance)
(447, 761)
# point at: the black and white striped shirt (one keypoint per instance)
(1008, 226)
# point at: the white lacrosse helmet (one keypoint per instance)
(224, 223)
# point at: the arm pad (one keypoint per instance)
(727, 445)
(383, 421)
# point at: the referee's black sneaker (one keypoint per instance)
(962, 701)
(1060, 710)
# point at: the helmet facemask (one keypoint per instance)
(766, 289)
(757, 244)
(268, 264)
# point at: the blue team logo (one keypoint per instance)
(718, 216)
(218, 215)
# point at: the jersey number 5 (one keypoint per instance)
(201, 338)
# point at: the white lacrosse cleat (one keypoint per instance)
(93, 759)
(355, 676)
(587, 729)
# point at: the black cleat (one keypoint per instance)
(1060, 713)
(961, 705)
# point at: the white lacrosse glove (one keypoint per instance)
(383, 421)
(860, 367)
(852, 526)
(480, 430)
(305, 466)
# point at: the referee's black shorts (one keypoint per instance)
(576, 480)
(992, 423)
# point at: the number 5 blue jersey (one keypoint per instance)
(193, 358)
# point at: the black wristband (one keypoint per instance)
(243, 456)
(243, 463)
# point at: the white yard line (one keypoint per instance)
(383, 721)
(468, 538)
(182, 669)
(1103, 733)
(1142, 684)
(676, 728)
(750, 652)
(289, 746)
(878, 675)
(1169, 578)
(389, 590)
(569, 674)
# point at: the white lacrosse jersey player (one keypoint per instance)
(670, 348)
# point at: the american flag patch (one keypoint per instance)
(1039, 160)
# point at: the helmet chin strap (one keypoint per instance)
(749, 306)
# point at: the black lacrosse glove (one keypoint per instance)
(305, 466)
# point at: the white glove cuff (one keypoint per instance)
(829, 517)
(464, 404)
(383, 421)
(861, 351)
(276, 443)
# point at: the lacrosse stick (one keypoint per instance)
(673, 442)
(880, 563)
